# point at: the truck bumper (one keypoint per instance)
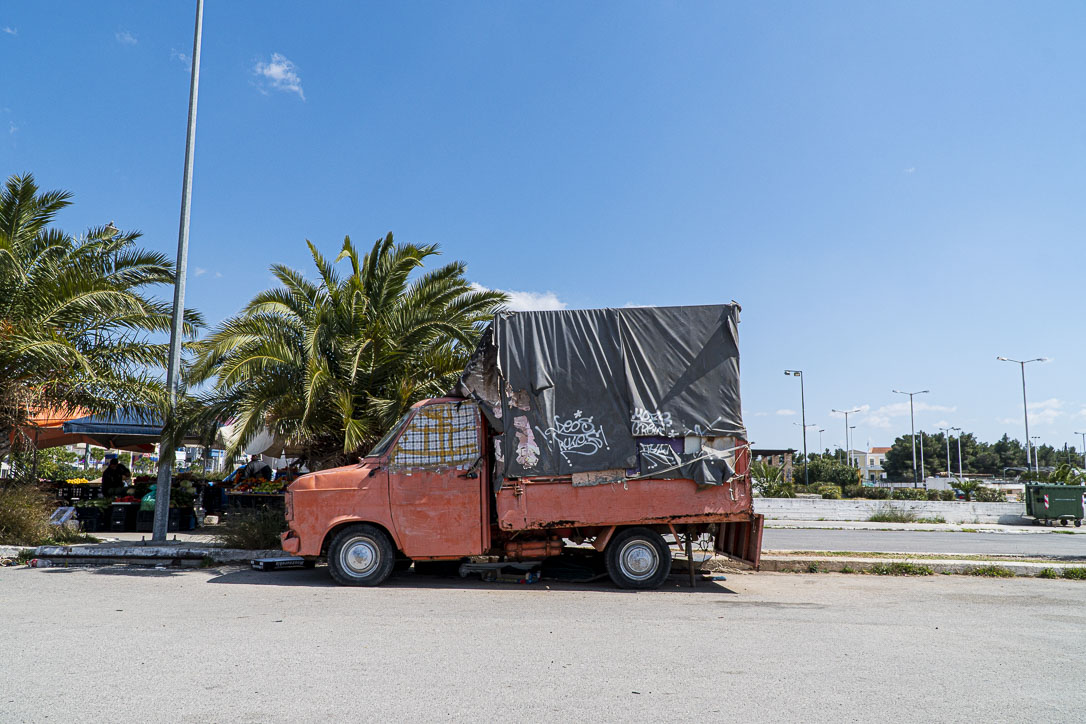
(291, 544)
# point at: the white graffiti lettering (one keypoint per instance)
(659, 455)
(578, 436)
(644, 422)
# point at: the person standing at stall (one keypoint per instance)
(114, 478)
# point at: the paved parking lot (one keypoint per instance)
(239, 645)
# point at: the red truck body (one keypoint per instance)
(454, 512)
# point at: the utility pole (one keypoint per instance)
(846, 413)
(852, 444)
(912, 426)
(961, 475)
(923, 476)
(1083, 447)
(803, 418)
(946, 431)
(1036, 455)
(168, 443)
(822, 430)
(1025, 408)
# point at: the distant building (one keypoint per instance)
(781, 458)
(870, 463)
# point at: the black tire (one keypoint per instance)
(361, 555)
(1063, 521)
(1078, 522)
(638, 558)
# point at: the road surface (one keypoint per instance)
(124, 645)
(904, 541)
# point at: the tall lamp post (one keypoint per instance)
(846, 413)
(803, 417)
(946, 431)
(822, 430)
(1036, 455)
(168, 443)
(912, 426)
(851, 444)
(1083, 447)
(923, 475)
(1025, 409)
(961, 476)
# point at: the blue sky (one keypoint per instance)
(893, 192)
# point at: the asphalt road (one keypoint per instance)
(122, 645)
(905, 541)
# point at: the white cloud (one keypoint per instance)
(9, 30)
(12, 128)
(760, 414)
(527, 301)
(942, 423)
(884, 416)
(218, 275)
(182, 58)
(279, 74)
(911, 169)
(125, 38)
(200, 271)
(1045, 412)
(786, 412)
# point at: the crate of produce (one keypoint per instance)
(145, 521)
(122, 516)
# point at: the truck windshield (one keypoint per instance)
(382, 447)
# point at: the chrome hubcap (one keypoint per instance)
(639, 560)
(360, 556)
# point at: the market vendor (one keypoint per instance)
(114, 478)
(256, 468)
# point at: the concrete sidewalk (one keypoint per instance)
(940, 527)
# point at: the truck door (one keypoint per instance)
(436, 478)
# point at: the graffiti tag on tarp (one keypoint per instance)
(659, 455)
(577, 436)
(644, 423)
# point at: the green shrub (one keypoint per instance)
(24, 515)
(892, 515)
(910, 494)
(989, 495)
(853, 491)
(877, 493)
(253, 530)
(828, 471)
(901, 568)
(1048, 573)
(1075, 574)
(932, 519)
(932, 494)
(989, 571)
(830, 492)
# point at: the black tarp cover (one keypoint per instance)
(577, 391)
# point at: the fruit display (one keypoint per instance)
(259, 485)
(77, 481)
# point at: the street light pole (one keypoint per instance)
(167, 443)
(1083, 447)
(1036, 455)
(846, 413)
(851, 444)
(803, 417)
(912, 426)
(822, 430)
(946, 431)
(923, 475)
(1025, 408)
(961, 475)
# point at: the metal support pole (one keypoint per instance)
(690, 555)
(168, 444)
(803, 421)
(961, 475)
(1083, 447)
(923, 476)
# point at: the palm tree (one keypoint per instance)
(75, 318)
(330, 366)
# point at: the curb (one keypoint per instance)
(835, 564)
(148, 554)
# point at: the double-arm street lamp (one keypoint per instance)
(912, 426)
(846, 413)
(1025, 409)
(803, 417)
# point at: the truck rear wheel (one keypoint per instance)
(638, 558)
(361, 555)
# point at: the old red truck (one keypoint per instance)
(612, 427)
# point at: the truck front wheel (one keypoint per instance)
(638, 558)
(361, 555)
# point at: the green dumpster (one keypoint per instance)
(1047, 503)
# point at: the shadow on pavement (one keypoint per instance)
(318, 577)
